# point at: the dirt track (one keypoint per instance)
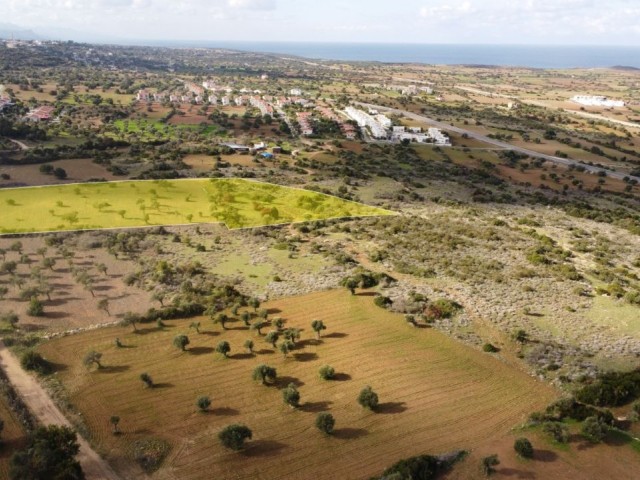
(41, 405)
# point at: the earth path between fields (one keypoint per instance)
(47, 413)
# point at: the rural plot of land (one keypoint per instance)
(235, 202)
(436, 395)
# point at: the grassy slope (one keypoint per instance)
(436, 394)
(165, 202)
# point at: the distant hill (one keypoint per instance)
(9, 30)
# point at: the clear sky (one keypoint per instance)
(614, 22)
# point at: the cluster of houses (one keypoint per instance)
(410, 89)
(415, 134)
(304, 120)
(44, 113)
(596, 101)
(377, 124)
(348, 130)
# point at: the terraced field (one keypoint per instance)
(436, 394)
(235, 202)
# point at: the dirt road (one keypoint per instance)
(41, 405)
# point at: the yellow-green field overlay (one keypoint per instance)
(237, 203)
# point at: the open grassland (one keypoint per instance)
(13, 437)
(235, 202)
(436, 394)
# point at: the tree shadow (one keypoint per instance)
(162, 385)
(349, 433)
(282, 382)
(57, 367)
(305, 357)
(58, 302)
(102, 288)
(265, 352)
(365, 294)
(513, 472)
(113, 369)
(341, 377)
(544, 455)
(273, 311)
(315, 407)
(200, 350)
(224, 411)
(312, 342)
(391, 408)
(263, 448)
(56, 315)
(336, 335)
(210, 333)
(241, 356)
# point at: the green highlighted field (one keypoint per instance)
(235, 202)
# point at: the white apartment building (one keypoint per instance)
(365, 120)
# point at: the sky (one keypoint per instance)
(561, 22)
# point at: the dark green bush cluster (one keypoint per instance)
(611, 389)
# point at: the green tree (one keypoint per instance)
(488, 464)
(594, 429)
(272, 337)
(325, 422)
(224, 348)
(245, 317)
(264, 373)
(31, 360)
(556, 430)
(249, 346)
(254, 303)
(3, 292)
(292, 335)
(327, 372)
(195, 326)
(102, 268)
(523, 447)
(278, 323)
(257, 327)
(115, 421)
(234, 436)
(103, 304)
(291, 396)
(203, 403)
(92, 358)
(318, 326)
(181, 342)
(285, 347)
(50, 454)
(16, 247)
(368, 398)
(351, 285)
(146, 379)
(222, 319)
(35, 308)
(132, 319)
(49, 263)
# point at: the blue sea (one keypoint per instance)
(501, 55)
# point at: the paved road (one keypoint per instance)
(47, 413)
(497, 143)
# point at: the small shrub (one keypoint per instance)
(594, 429)
(489, 348)
(203, 403)
(368, 398)
(327, 372)
(523, 447)
(556, 430)
(33, 361)
(325, 423)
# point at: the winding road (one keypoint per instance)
(47, 413)
(492, 141)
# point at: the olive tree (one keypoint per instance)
(203, 403)
(325, 422)
(272, 337)
(146, 379)
(327, 372)
(264, 373)
(234, 436)
(368, 398)
(181, 342)
(224, 348)
(249, 346)
(291, 396)
(318, 326)
(92, 358)
(523, 447)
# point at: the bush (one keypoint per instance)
(488, 463)
(203, 403)
(424, 467)
(594, 429)
(35, 308)
(612, 389)
(325, 423)
(489, 348)
(327, 372)
(33, 361)
(368, 398)
(556, 430)
(382, 301)
(234, 436)
(523, 447)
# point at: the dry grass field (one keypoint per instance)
(78, 170)
(436, 394)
